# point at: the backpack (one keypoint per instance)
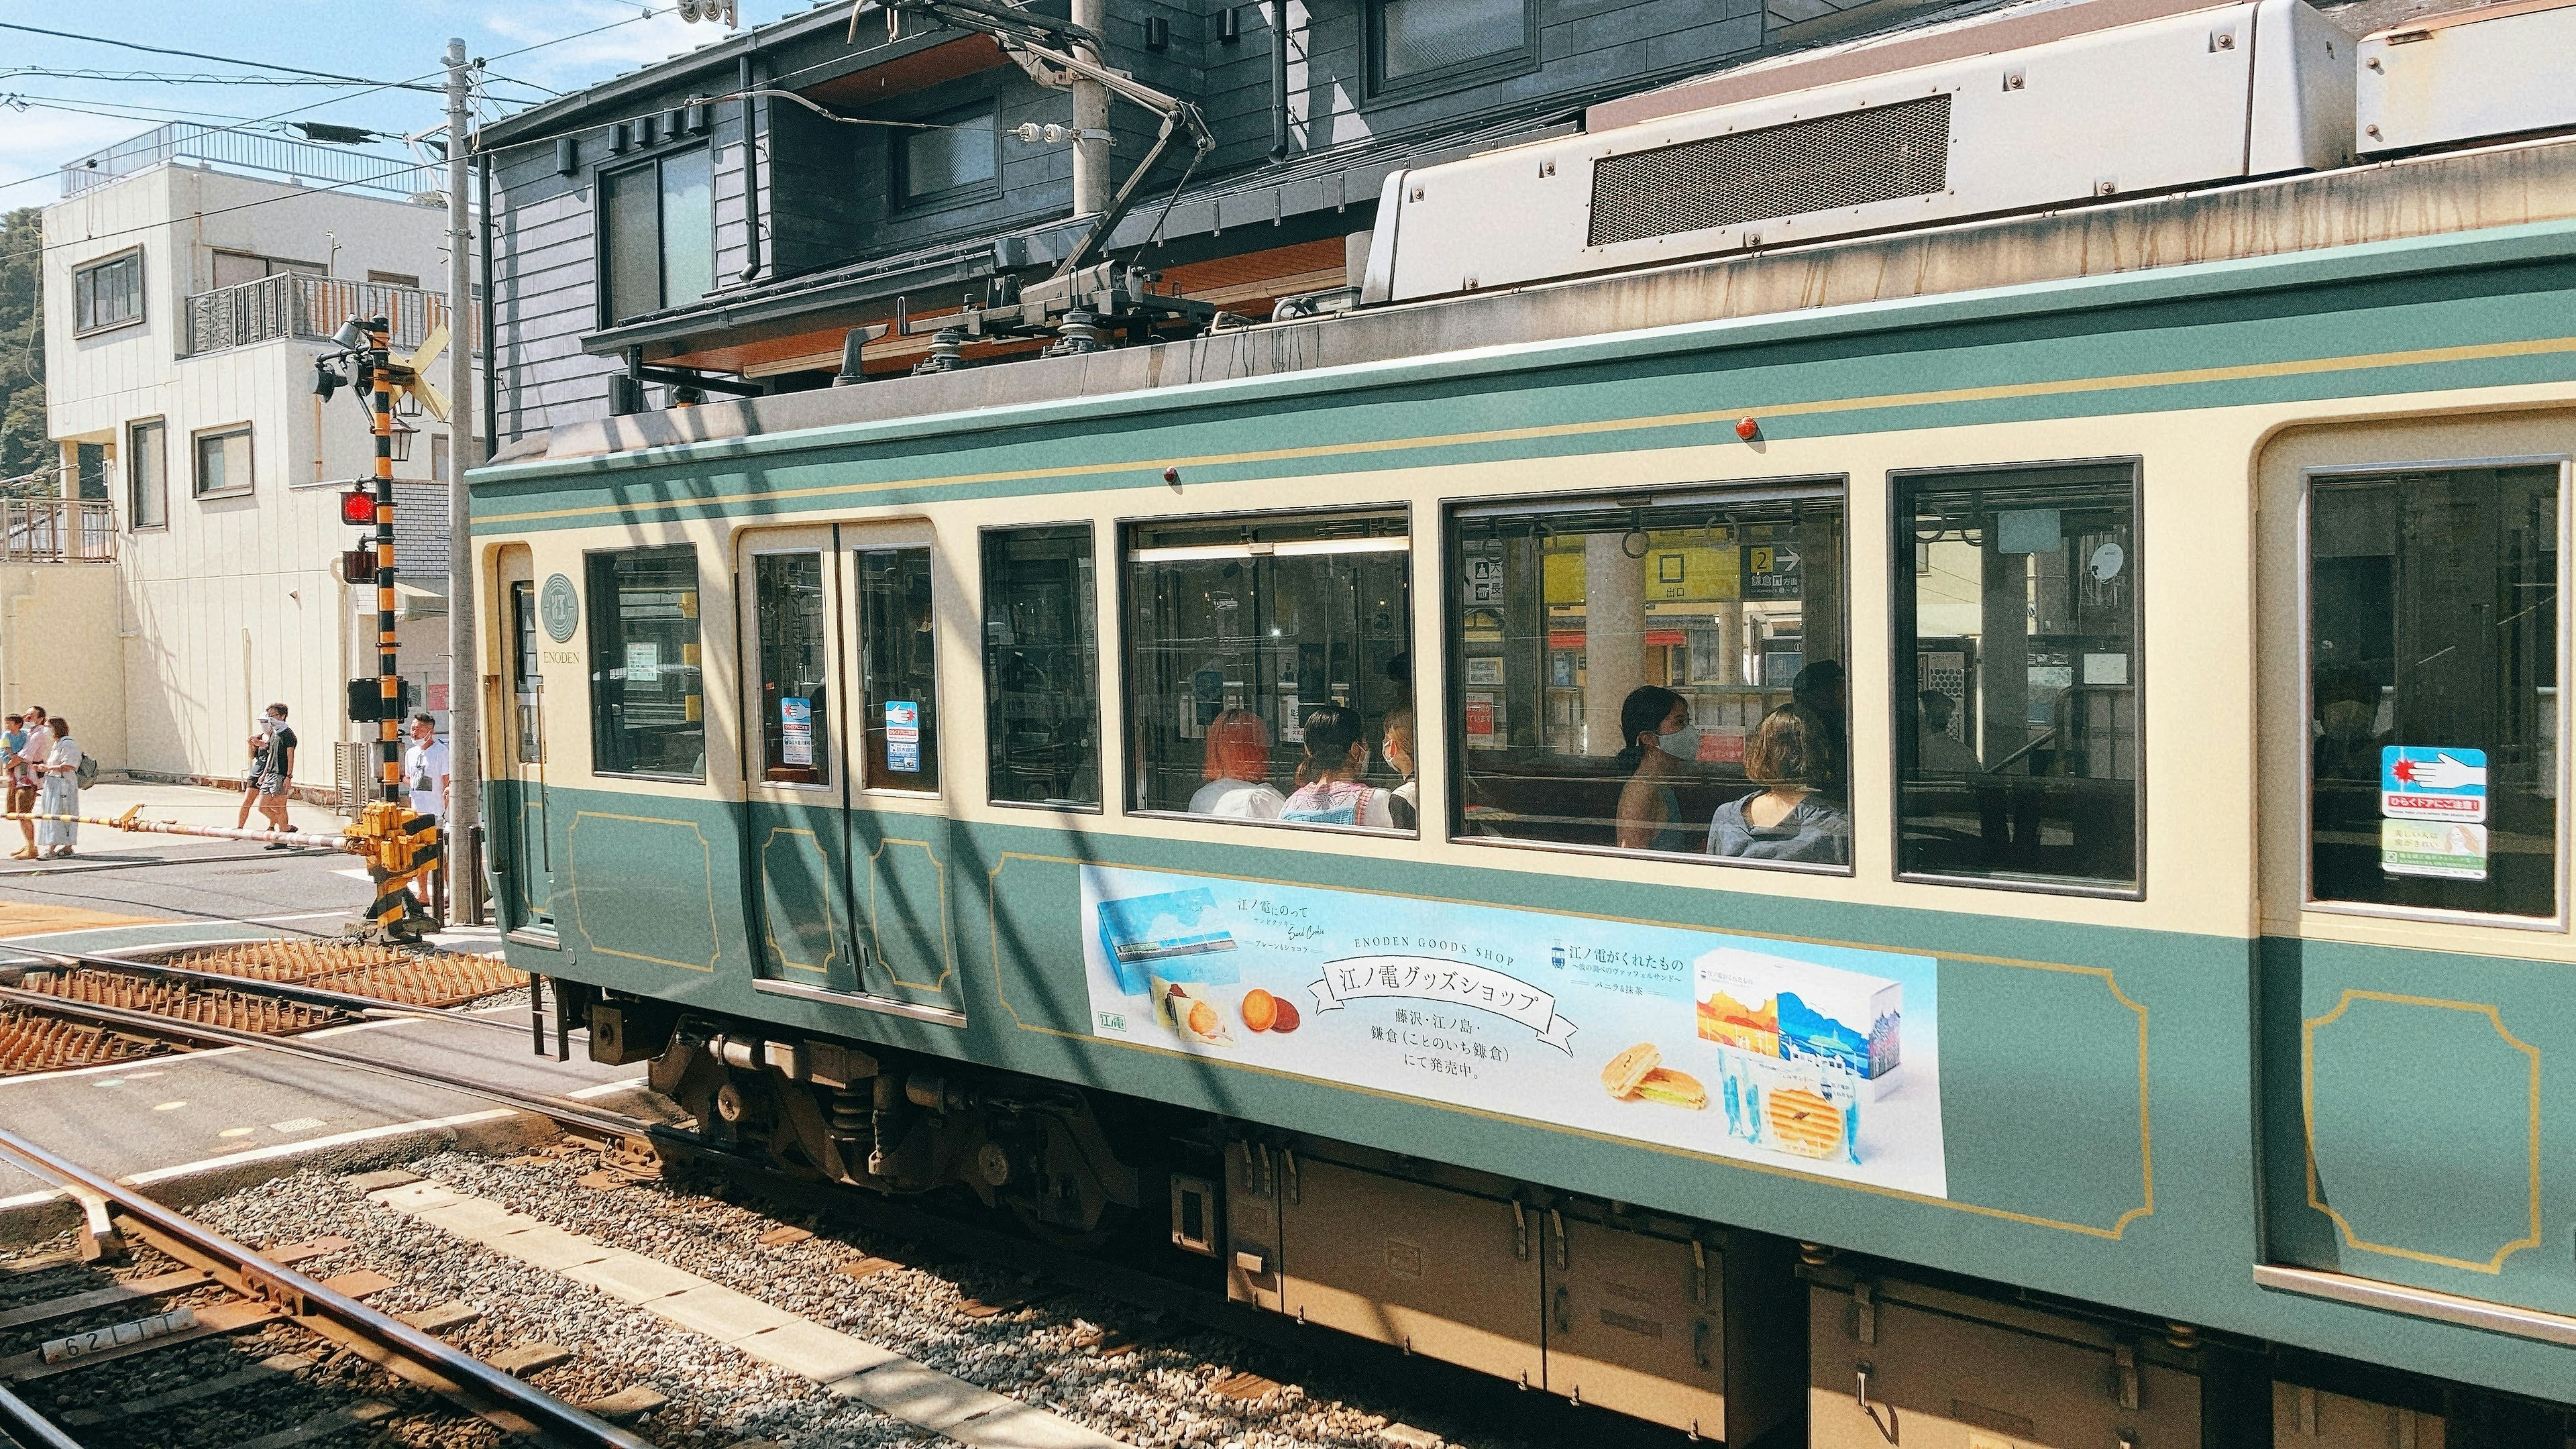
(85, 774)
(1326, 803)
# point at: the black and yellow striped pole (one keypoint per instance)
(399, 847)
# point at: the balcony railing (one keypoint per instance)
(293, 304)
(57, 530)
(276, 157)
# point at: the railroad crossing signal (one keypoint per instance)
(411, 374)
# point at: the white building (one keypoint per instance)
(190, 573)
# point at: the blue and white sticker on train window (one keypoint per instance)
(2433, 782)
(2441, 849)
(903, 736)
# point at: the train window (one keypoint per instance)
(2018, 671)
(795, 667)
(1267, 659)
(647, 706)
(2433, 689)
(1041, 667)
(898, 693)
(1661, 674)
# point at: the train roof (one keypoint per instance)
(2427, 196)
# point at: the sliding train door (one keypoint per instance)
(526, 861)
(899, 832)
(796, 794)
(848, 845)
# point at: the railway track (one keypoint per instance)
(243, 1350)
(954, 1295)
(269, 988)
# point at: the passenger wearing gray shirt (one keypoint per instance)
(1788, 754)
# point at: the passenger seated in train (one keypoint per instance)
(1936, 750)
(1238, 770)
(1329, 788)
(1822, 690)
(1395, 741)
(1790, 819)
(1649, 812)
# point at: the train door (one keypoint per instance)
(796, 789)
(899, 832)
(526, 863)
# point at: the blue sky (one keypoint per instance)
(55, 118)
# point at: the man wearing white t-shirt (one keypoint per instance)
(425, 767)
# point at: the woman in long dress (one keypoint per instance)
(58, 793)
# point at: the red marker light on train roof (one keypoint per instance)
(1172, 476)
(1748, 430)
(358, 506)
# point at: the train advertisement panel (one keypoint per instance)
(1817, 1058)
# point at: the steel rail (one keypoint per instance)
(562, 1109)
(468, 1373)
(21, 1422)
(293, 991)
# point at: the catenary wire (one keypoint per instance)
(217, 59)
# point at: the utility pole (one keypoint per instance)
(1090, 119)
(464, 855)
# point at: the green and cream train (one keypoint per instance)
(1952, 839)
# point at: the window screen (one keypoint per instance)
(147, 475)
(1418, 39)
(957, 152)
(2018, 671)
(108, 293)
(1041, 667)
(647, 705)
(2433, 689)
(1662, 674)
(790, 602)
(1240, 632)
(898, 675)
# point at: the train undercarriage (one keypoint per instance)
(1715, 1332)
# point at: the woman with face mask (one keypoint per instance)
(1649, 812)
(1395, 741)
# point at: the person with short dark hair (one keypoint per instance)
(1329, 788)
(22, 786)
(277, 773)
(1788, 754)
(28, 759)
(1650, 814)
(425, 767)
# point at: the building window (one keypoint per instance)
(1661, 675)
(2433, 689)
(1425, 42)
(1268, 659)
(1041, 667)
(223, 462)
(2018, 676)
(147, 475)
(658, 234)
(647, 703)
(898, 671)
(394, 279)
(108, 293)
(440, 458)
(958, 157)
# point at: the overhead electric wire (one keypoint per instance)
(147, 77)
(217, 59)
(647, 14)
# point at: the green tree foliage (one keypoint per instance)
(23, 447)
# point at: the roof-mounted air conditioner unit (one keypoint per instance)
(2186, 99)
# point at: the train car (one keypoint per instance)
(1947, 838)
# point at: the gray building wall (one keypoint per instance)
(827, 190)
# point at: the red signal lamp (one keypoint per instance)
(358, 506)
(1748, 430)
